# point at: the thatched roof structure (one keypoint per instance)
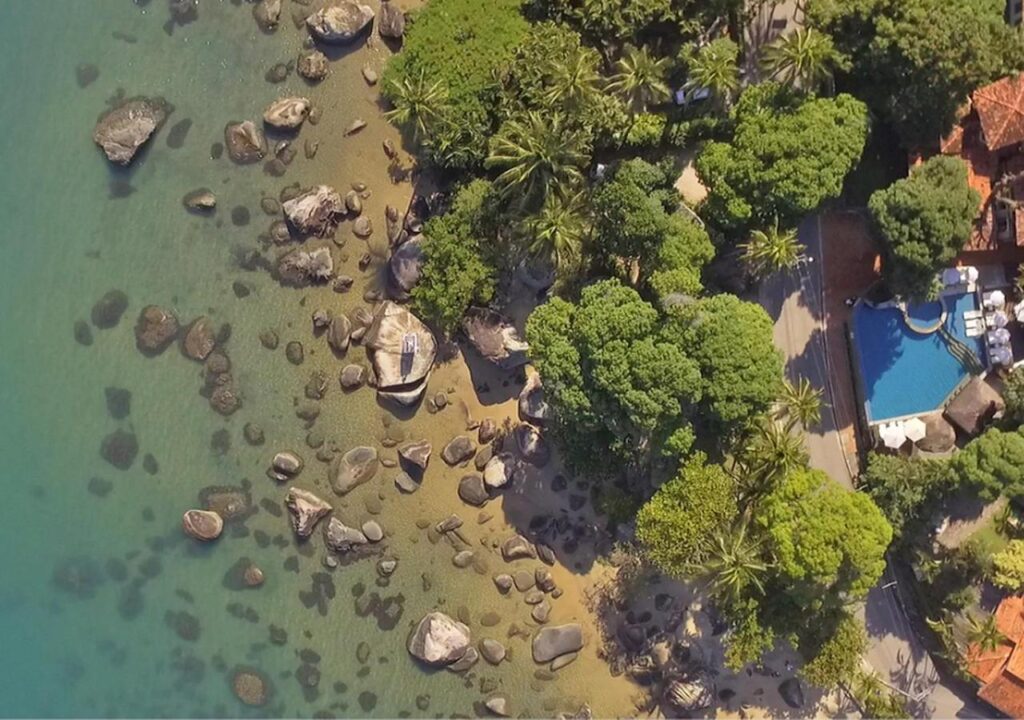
(940, 436)
(974, 406)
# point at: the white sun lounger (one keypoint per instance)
(975, 328)
(973, 314)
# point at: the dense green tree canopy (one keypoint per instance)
(916, 61)
(993, 463)
(1008, 566)
(837, 659)
(613, 381)
(460, 44)
(903, 488)
(455, 273)
(923, 222)
(786, 157)
(1013, 396)
(731, 340)
(827, 541)
(677, 525)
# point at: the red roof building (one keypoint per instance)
(1001, 671)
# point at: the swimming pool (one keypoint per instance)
(905, 373)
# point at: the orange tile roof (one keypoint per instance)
(1001, 671)
(1000, 108)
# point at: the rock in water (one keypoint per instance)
(267, 13)
(285, 466)
(119, 448)
(498, 705)
(287, 113)
(199, 339)
(392, 21)
(439, 640)
(493, 651)
(126, 128)
(307, 509)
(316, 211)
(245, 142)
(402, 351)
(312, 65)
(107, 311)
(250, 687)
(552, 642)
(405, 268)
(341, 538)
(352, 469)
(302, 267)
(340, 23)
(339, 333)
(200, 200)
(202, 525)
(352, 376)
(155, 330)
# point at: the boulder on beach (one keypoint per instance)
(284, 466)
(352, 377)
(312, 65)
(438, 640)
(199, 339)
(245, 142)
(517, 548)
(267, 13)
(352, 469)
(391, 23)
(287, 113)
(306, 509)
(202, 525)
(339, 23)
(155, 329)
(405, 267)
(341, 538)
(316, 211)
(305, 267)
(495, 338)
(532, 445)
(339, 333)
(498, 471)
(402, 351)
(533, 408)
(124, 129)
(690, 695)
(458, 450)
(472, 490)
(416, 454)
(552, 642)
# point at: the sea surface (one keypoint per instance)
(106, 609)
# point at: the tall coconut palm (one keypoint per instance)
(418, 105)
(556, 232)
(769, 454)
(733, 566)
(713, 67)
(803, 58)
(800, 403)
(538, 156)
(772, 250)
(640, 79)
(573, 82)
(985, 633)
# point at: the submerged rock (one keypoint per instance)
(352, 469)
(306, 509)
(107, 311)
(287, 113)
(245, 142)
(267, 13)
(402, 351)
(341, 538)
(123, 130)
(339, 23)
(199, 340)
(312, 65)
(305, 267)
(438, 640)
(119, 448)
(250, 686)
(202, 524)
(155, 329)
(201, 200)
(284, 466)
(316, 211)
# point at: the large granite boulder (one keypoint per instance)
(155, 329)
(199, 340)
(402, 351)
(339, 23)
(691, 695)
(204, 525)
(352, 469)
(532, 445)
(552, 642)
(495, 338)
(341, 538)
(267, 14)
(533, 408)
(287, 113)
(312, 65)
(244, 142)
(416, 454)
(316, 211)
(459, 449)
(792, 692)
(405, 267)
(498, 471)
(307, 510)
(438, 640)
(392, 21)
(124, 129)
(305, 267)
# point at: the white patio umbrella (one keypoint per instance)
(997, 298)
(972, 273)
(1002, 356)
(893, 435)
(915, 429)
(1000, 319)
(1002, 335)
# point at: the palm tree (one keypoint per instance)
(556, 232)
(984, 633)
(418, 105)
(769, 455)
(803, 58)
(772, 250)
(640, 79)
(800, 403)
(538, 155)
(714, 67)
(734, 565)
(574, 82)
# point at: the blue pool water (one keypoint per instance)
(903, 372)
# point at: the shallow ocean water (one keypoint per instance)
(74, 229)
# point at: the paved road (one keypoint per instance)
(795, 303)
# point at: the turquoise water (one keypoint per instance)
(106, 609)
(904, 372)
